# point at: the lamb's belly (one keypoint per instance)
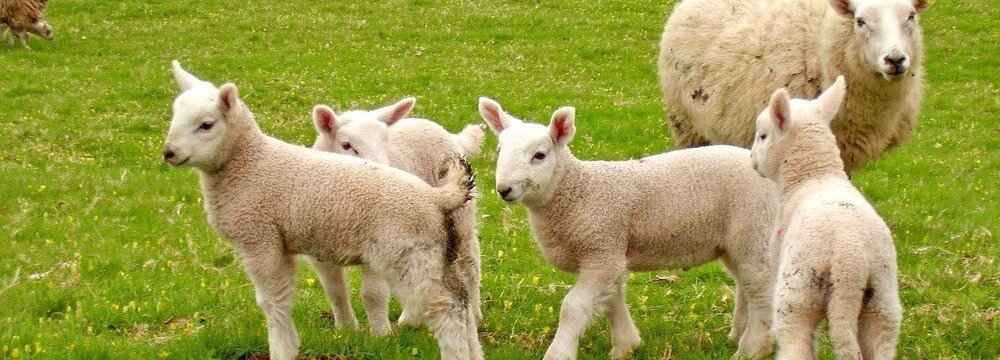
(563, 258)
(649, 259)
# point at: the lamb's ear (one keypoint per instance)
(184, 79)
(229, 98)
(780, 109)
(562, 126)
(831, 99)
(395, 112)
(325, 120)
(494, 115)
(844, 7)
(921, 5)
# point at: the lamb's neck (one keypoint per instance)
(813, 155)
(244, 145)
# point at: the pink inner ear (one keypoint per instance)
(561, 128)
(494, 117)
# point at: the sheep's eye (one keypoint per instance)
(861, 22)
(763, 137)
(206, 126)
(913, 15)
(538, 156)
(346, 146)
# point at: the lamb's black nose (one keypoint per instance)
(895, 60)
(504, 192)
(168, 154)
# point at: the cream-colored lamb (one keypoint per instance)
(721, 59)
(837, 258)
(273, 201)
(602, 219)
(420, 147)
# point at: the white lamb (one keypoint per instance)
(837, 257)
(602, 219)
(273, 201)
(721, 59)
(420, 147)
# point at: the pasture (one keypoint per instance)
(105, 251)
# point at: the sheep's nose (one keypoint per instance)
(504, 192)
(895, 60)
(168, 154)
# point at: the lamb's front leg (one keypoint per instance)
(588, 297)
(624, 334)
(24, 40)
(273, 278)
(375, 295)
(335, 285)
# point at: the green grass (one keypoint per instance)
(105, 251)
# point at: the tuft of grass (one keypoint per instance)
(105, 251)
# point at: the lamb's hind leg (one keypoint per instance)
(798, 308)
(878, 325)
(591, 293)
(24, 40)
(335, 285)
(624, 335)
(273, 277)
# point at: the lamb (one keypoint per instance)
(21, 17)
(720, 59)
(420, 147)
(273, 200)
(836, 254)
(601, 219)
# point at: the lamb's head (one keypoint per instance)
(887, 32)
(42, 29)
(785, 118)
(205, 118)
(529, 154)
(360, 133)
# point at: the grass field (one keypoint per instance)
(105, 251)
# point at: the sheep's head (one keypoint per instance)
(42, 29)
(360, 133)
(784, 117)
(203, 120)
(887, 31)
(529, 154)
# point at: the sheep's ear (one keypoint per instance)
(229, 98)
(921, 5)
(831, 99)
(844, 8)
(325, 119)
(562, 127)
(780, 109)
(184, 79)
(495, 117)
(395, 112)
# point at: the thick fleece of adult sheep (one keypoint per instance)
(602, 219)
(836, 257)
(721, 59)
(21, 17)
(420, 147)
(273, 200)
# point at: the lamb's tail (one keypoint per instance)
(458, 186)
(471, 140)
(848, 284)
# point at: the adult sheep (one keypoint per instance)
(721, 59)
(23, 17)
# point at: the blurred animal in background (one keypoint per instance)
(22, 17)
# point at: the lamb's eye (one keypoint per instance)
(913, 16)
(346, 146)
(538, 156)
(206, 126)
(861, 22)
(763, 137)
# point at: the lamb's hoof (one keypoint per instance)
(559, 354)
(347, 325)
(734, 336)
(381, 331)
(761, 349)
(407, 321)
(624, 351)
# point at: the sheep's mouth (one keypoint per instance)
(179, 163)
(894, 73)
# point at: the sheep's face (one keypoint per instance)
(782, 118)
(42, 29)
(200, 124)
(887, 31)
(364, 134)
(528, 154)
